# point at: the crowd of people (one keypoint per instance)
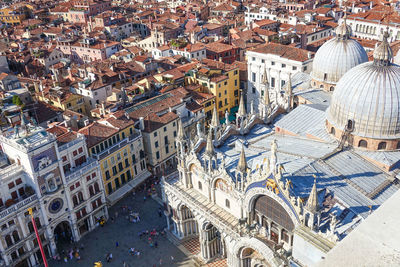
(151, 236)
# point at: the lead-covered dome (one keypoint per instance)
(334, 58)
(369, 97)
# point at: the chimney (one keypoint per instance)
(86, 122)
(141, 123)
(309, 55)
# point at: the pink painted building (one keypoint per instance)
(87, 50)
(82, 10)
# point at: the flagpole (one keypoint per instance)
(38, 237)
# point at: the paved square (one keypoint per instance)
(103, 239)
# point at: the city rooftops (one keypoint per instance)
(284, 51)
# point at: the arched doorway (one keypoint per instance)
(212, 245)
(249, 257)
(63, 235)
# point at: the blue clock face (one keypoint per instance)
(56, 205)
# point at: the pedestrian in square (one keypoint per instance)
(116, 244)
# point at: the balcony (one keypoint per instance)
(10, 170)
(70, 144)
(117, 146)
(187, 121)
(23, 203)
(78, 172)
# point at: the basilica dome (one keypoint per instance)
(368, 98)
(334, 58)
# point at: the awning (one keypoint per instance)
(121, 192)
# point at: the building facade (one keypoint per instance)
(118, 147)
(273, 63)
(33, 176)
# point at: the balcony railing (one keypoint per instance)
(18, 206)
(186, 121)
(10, 170)
(117, 146)
(70, 144)
(77, 172)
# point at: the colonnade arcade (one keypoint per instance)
(186, 225)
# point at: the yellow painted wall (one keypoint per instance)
(6, 16)
(124, 152)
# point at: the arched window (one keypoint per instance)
(331, 88)
(8, 241)
(96, 187)
(200, 186)
(321, 86)
(382, 145)
(227, 203)
(38, 224)
(80, 196)
(75, 200)
(333, 132)
(350, 125)
(362, 143)
(15, 236)
(30, 227)
(91, 191)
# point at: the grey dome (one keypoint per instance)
(369, 94)
(334, 58)
(396, 59)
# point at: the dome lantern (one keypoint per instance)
(343, 31)
(383, 53)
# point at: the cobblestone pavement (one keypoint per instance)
(103, 239)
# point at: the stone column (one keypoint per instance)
(33, 260)
(22, 225)
(91, 223)
(280, 234)
(75, 231)
(175, 230)
(269, 229)
(168, 224)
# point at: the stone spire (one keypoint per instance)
(210, 146)
(312, 202)
(215, 119)
(289, 85)
(265, 77)
(242, 164)
(181, 133)
(289, 92)
(383, 54)
(241, 110)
